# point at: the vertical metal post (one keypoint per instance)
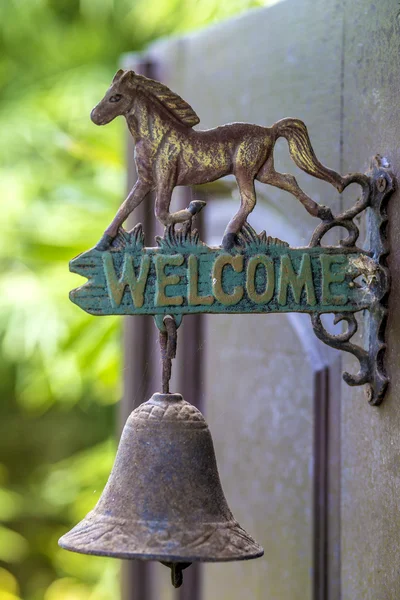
(320, 509)
(326, 504)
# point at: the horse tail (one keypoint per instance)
(301, 151)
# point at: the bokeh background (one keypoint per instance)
(60, 184)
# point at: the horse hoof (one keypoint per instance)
(195, 206)
(229, 240)
(325, 214)
(105, 243)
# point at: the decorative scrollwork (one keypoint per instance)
(346, 219)
(377, 187)
(342, 342)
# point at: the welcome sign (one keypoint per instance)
(185, 276)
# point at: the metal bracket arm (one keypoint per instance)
(377, 187)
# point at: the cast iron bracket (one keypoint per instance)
(377, 186)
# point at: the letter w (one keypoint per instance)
(116, 287)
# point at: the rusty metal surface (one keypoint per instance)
(168, 341)
(164, 500)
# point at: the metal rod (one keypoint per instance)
(168, 341)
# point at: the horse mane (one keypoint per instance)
(174, 104)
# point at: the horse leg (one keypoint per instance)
(247, 203)
(166, 218)
(287, 182)
(134, 198)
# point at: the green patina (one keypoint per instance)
(184, 276)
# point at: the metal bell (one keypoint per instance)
(164, 500)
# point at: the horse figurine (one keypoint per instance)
(169, 152)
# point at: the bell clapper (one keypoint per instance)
(168, 340)
(176, 571)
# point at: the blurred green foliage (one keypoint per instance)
(60, 184)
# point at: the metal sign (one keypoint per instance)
(184, 276)
(250, 272)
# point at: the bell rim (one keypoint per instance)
(160, 557)
(231, 541)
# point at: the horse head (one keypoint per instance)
(117, 100)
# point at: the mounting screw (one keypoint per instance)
(381, 184)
